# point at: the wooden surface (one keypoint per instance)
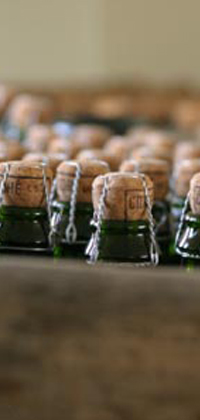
(83, 343)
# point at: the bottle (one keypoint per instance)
(72, 208)
(188, 234)
(183, 172)
(123, 229)
(24, 207)
(158, 172)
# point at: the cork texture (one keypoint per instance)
(125, 196)
(110, 158)
(161, 140)
(26, 109)
(90, 136)
(61, 145)
(25, 186)
(183, 173)
(187, 150)
(119, 146)
(65, 177)
(157, 170)
(146, 152)
(195, 194)
(53, 160)
(38, 137)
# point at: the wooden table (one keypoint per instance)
(98, 343)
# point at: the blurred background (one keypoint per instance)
(77, 42)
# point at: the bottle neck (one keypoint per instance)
(65, 207)
(125, 226)
(22, 212)
(24, 229)
(189, 242)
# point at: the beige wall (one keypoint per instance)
(73, 41)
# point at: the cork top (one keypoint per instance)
(110, 158)
(182, 175)
(12, 149)
(147, 152)
(51, 159)
(186, 114)
(195, 194)
(187, 150)
(90, 136)
(109, 106)
(25, 183)
(125, 196)
(38, 137)
(119, 146)
(157, 170)
(89, 169)
(62, 145)
(28, 109)
(161, 139)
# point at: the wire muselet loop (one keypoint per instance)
(154, 254)
(93, 246)
(3, 182)
(182, 219)
(71, 231)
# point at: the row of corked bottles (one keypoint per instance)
(86, 211)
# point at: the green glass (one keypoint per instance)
(177, 204)
(161, 214)
(125, 241)
(24, 229)
(188, 246)
(83, 216)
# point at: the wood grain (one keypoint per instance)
(84, 343)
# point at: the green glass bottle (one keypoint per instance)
(158, 171)
(188, 234)
(183, 172)
(123, 230)
(24, 215)
(72, 209)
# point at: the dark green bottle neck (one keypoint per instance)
(177, 201)
(192, 220)
(125, 226)
(29, 213)
(65, 207)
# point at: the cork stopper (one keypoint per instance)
(90, 136)
(53, 160)
(62, 145)
(66, 171)
(118, 146)
(112, 106)
(183, 173)
(25, 184)
(12, 149)
(125, 197)
(149, 153)
(137, 136)
(26, 109)
(187, 150)
(161, 140)
(157, 170)
(38, 137)
(195, 194)
(110, 158)
(186, 114)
